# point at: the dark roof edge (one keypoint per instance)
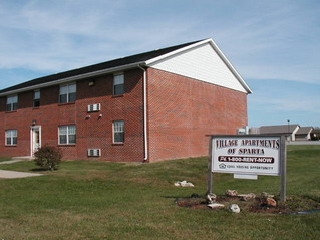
(16, 88)
(92, 70)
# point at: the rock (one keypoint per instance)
(211, 198)
(183, 184)
(247, 197)
(266, 195)
(216, 205)
(270, 202)
(234, 208)
(232, 193)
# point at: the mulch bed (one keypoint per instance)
(256, 205)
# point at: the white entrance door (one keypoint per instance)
(35, 139)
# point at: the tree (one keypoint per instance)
(315, 134)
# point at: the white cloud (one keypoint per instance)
(59, 35)
(277, 41)
(264, 40)
(45, 35)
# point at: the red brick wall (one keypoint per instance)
(182, 111)
(96, 132)
(93, 132)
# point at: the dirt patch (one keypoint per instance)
(255, 205)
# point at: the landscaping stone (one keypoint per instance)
(270, 202)
(266, 195)
(216, 205)
(211, 198)
(232, 193)
(183, 184)
(234, 208)
(247, 197)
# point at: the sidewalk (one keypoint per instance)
(14, 174)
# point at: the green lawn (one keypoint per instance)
(98, 200)
(4, 159)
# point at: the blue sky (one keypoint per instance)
(274, 44)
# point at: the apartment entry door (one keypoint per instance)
(35, 139)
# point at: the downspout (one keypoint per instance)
(145, 134)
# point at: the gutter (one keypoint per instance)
(145, 135)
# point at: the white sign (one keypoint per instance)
(256, 155)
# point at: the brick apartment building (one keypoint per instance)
(152, 106)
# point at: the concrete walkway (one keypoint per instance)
(10, 161)
(14, 174)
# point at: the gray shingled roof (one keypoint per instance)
(137, 58)
(281, 129)
(304, 130)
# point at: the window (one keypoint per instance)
(36, 98)
(67, 93)
(67, 135)
(118, 131)
(12, 103)
(11, 137)
(118, 84)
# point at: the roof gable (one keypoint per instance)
(150, 58)
(202, 60)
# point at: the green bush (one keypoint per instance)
(48, 157)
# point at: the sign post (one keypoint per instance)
(283, 191)
(247, 156)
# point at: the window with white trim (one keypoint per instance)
(12, 103)
(11, 137)
(118, 131)
(36, 98)
(67, 93)
(118, 84)
(67, 135)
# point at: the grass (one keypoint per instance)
(98, 200)
(4, 159)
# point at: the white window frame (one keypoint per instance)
(67, 90)
(118, 80)
(118, 129)
(12, 136)
(12, 103)
(69, 132)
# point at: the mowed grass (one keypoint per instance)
(4, 159)
(99, 200)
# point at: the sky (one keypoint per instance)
(274, 44)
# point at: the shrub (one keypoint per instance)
(48, 157)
